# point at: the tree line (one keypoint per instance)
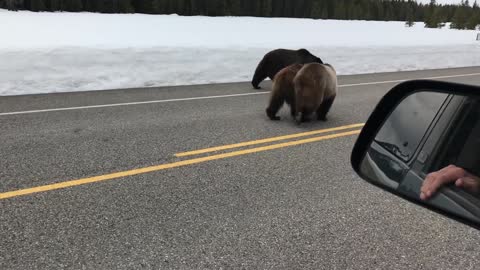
(463, 16)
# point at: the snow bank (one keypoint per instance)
(56, 52)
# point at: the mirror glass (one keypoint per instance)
(428, 149)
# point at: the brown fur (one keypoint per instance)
(283, 91)
(315, 90)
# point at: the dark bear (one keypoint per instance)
(315, 90)
(283, 91)
(277, 59)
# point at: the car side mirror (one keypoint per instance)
(420, 130)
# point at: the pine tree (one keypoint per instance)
(180, 6)
(410, 14)
(339, 12)
(299, 9)
(53, 5)
(398, 10)
(356, 12)
(267, 8)
(14, 5)
(316, 11)
(74, 5)
(438, 15)
(235, 7)
(322, 8)
(288, 8)
(37, 5)
(144, 6)
(459, 19)
(158, 7)
(325, 14)
(432, 20)
(410, 21)
(88, 5)
(125, 6)
(472, 22)
(474, 18)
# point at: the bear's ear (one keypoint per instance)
(304, 51)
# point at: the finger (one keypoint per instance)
(431, 177)
(468, 184)
(459, 183)
(438, 182)
(449, 167)
(426, 195)
(435, 180)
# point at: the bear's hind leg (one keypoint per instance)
(325, 108)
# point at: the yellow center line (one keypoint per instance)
(117, 175)
(273, 139)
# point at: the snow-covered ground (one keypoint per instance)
(59, 52)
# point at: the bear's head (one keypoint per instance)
(318, 60)
(309, 57)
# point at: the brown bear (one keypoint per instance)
(315, 90)
(277, 59)
(283, 91)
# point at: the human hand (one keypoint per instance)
(449, 174)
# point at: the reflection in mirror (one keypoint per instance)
(428, 150)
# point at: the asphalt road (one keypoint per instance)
(292, 207)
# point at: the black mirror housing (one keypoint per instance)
(410, 168)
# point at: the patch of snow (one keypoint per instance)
(60, 52)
